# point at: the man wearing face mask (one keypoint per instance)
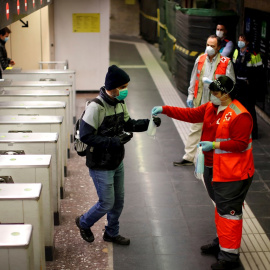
(228, 164)
(227, 45)
(248, 69)
(210, 65)
(4, 60)
(106, 126)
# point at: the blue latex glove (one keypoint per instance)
(206, 146)
(190, 103)
(156, 110)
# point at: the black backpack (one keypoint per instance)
(79, 146)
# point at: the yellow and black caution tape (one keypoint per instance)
(170, 36)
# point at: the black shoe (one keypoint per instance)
(224, 265)
(183, 163)
(120, 240)
(86, 234)
(210, 249)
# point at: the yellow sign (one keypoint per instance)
(86, 22)
(130, 2)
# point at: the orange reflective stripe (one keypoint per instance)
(229, 233)
(199, 69)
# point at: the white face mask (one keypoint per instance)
(220, 33)
(215, 100)
(210, 51)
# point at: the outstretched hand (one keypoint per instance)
(157, 121)
(206, 146)
(156, 110)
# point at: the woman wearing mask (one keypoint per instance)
(227, 145)
(4, 60)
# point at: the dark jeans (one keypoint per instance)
(110, 191)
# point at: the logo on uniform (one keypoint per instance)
(228, 116)
(223, 59)
(232, 212)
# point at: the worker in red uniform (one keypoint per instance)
(229, 168)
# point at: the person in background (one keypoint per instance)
(227, 46)
(248, 68)
(229, 167)
(209, 65)
(4, 60)
(105, 127)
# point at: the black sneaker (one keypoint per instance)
(183, 162)
(224, 265)
(120, 240)
(210, 249)
(86, 234)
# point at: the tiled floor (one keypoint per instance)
(167, 213)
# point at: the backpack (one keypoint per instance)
(79, 146)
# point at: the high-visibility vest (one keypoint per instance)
(232, 166)
(255, 60)
(220, 70)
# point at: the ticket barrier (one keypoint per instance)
(22, 203)
(38, 124)
(44, 95)
(16, 247)
(34, 169)
(52, 76)
(57, 108)
(39, 144)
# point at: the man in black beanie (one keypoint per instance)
(105, 127)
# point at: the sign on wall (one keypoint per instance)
(86, 22)
(14, 10)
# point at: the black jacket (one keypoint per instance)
(100, 127)
(4, 60)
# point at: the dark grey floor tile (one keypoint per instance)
(134, 213)
(198, 212)
(259, 186)
(142, 261)
(265, 174)
(155, 200)
(124, 54)
(176, 262)
(256, 197)
(139, 245)
(164, 213)
(169, 227)
(201, 226)
(135, 229)
(173, 244)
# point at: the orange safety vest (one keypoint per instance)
(220, 70)
(232, 166)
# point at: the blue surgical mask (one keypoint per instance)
(241, 44)
(6, 39)
(122, 94)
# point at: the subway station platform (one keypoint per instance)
(168, 214)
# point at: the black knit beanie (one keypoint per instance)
(115, 77)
